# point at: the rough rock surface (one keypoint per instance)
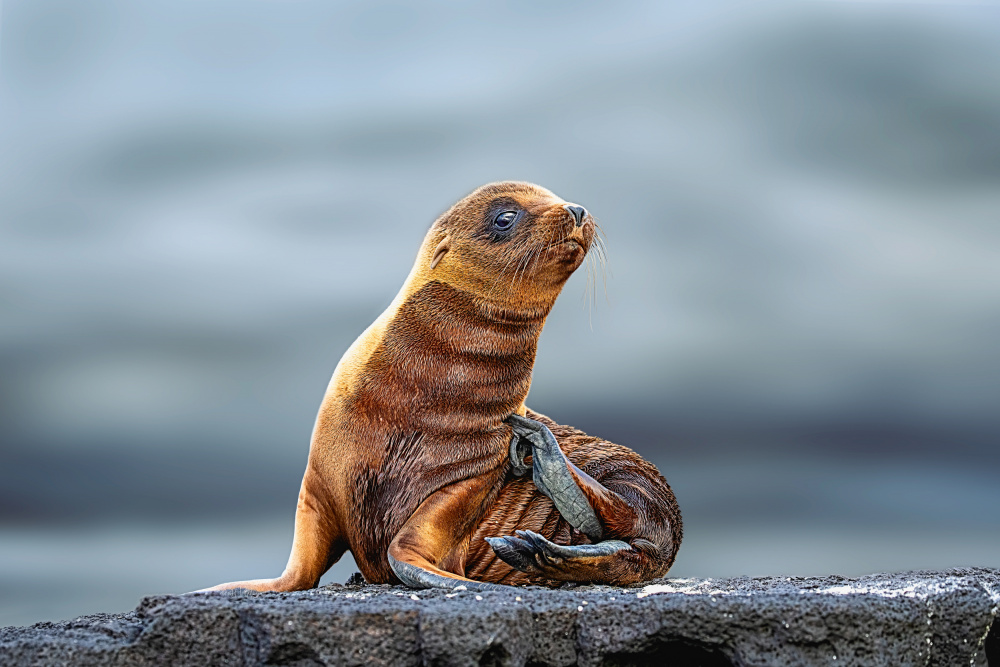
(918, 618)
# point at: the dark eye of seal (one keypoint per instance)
(505, 220)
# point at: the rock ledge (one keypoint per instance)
(917, 618)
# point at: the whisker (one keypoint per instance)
(591, 281)
(601, 243)
(539, 249)
(522, 267)
(519, 260)
(597, 254)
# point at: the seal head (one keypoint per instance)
(511, 244)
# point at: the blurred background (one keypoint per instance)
(202, 204)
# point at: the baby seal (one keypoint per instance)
(422, 447)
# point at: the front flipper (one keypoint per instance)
(426, 551)
(531, 553)
(317, 543)
(554, 475)
(421, 576)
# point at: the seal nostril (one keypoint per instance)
(577, 212)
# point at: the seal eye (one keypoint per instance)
(505, 220)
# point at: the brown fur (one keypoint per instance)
(410, 450)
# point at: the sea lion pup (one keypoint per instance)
(420, 445)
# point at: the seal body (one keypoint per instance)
(426, 413)
(410, 465)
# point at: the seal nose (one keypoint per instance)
(577, 212)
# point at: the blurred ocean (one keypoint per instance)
(203, 203)
(799, 517)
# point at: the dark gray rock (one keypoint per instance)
(919, 618)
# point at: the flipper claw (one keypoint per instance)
(533, 553)
(519, 450)
(515, 552)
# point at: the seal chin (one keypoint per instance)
(569, 251)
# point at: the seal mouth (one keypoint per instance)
(567, 240)
(570, 243)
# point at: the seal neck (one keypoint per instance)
(445, 319)
(511, 312)
(448, 362)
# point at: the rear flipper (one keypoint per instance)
(553, 474)
(632, 538)
(531, 553)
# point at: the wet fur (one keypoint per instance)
(413, 419)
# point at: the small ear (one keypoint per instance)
(440, 251)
